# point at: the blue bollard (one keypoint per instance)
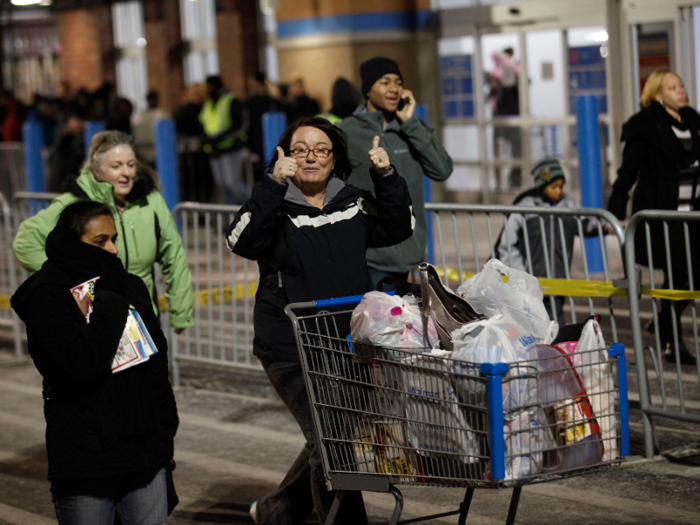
(92, 127)
(422, 113)
(494, 373)
(273, 123)
(166, 161)
(33, 136)
(590, 175)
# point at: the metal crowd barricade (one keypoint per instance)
(461, 250)
(8, 275)
(386, 417)
(12, 168)
(674, 393)
(224, 288)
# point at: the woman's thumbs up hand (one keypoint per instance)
(379, 158)
(285, 167)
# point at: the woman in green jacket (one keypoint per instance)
(146, 230)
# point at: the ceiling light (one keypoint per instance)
(26, 2)
(597, 36)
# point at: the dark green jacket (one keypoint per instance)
(415, 150)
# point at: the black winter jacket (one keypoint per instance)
(305, 253)
(653, 158)
(99, 425)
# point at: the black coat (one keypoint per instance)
(305, 253)
(654, 158)
(99, 425)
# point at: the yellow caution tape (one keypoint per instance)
(563, 287)
(560, 287)
(216, 295)
(673, 295)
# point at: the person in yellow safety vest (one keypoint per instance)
(224, 124)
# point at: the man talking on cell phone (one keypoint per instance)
(414, 149)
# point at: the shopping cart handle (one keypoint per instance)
(351, 299)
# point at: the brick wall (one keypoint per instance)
(164, 51)
(88, 55)
(237, 43)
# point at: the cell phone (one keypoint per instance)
(402, 103)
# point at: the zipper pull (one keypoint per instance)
(133, 232)
(279, 279)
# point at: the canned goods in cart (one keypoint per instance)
(386, 417)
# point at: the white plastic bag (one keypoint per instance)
(436, 426)
(589, 358)
(391, 321)
(497, 341)
(526, 438)
(499, 289)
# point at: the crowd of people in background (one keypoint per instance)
(63, 119)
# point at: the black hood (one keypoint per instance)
(345, 98)
(70, 262)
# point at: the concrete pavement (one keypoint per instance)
(236, 441)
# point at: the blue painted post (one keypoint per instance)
(590, 176)
(422, 113)
(273, 123)
(618, 350)
(33, 136)
(166, 161)
(92, 127)
(494, 373)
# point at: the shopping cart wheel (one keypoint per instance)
(398, 505)
(514, 500)
(464, 507)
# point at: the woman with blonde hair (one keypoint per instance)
(661, 154)
(146, 230)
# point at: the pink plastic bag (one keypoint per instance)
(391, 321)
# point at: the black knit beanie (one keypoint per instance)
(374, 69)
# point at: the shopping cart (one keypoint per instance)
(386, 417)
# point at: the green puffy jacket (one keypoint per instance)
(146, 234)
(415, 150)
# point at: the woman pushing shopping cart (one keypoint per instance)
(309, 232)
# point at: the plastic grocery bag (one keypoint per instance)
(500, 289)
(590, 359)
(565, 401)
(495, 340)
(526, 439)
(436, 425)
(391, 321)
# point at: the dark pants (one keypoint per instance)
(680, 282)
(558, 313)
(304, 486)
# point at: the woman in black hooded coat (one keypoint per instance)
(109, 436)
(662, 149)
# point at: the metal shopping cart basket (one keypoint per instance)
(386, 417)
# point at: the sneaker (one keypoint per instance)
(254, 512)
(686, 357)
